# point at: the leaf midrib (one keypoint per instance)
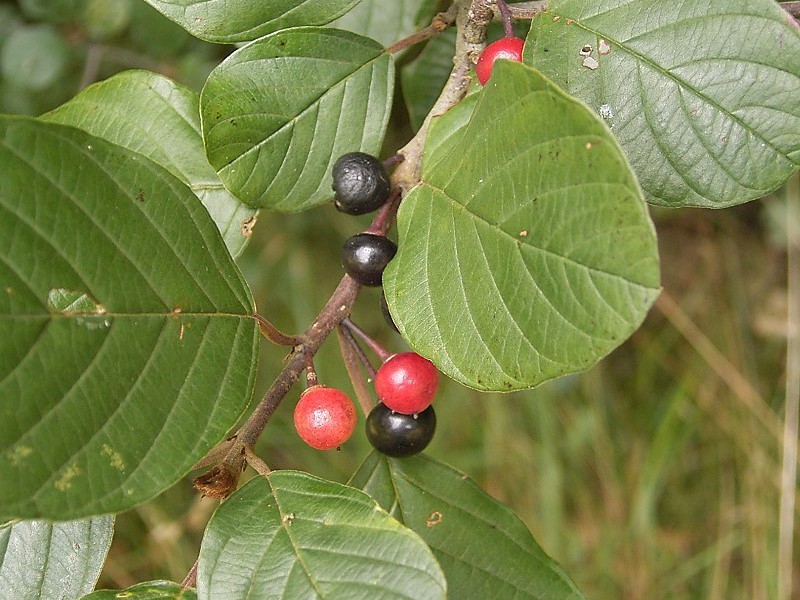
(290, 122)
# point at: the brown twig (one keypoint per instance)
(439, 23)
(190, 580)
(472, 19)
(384, 219)
(793, 8)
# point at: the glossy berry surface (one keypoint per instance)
(399, 435)
(365, 256)
(360, 183)
(324, 417)
(509, 48)
(407, 382)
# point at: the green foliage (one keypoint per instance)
(169, 330)
(149, 114)
(293, 535)
(244, 20)
(459, 521)
(382, 21)
(42, 561)
(541, 247)
(707, 118)
(150, 590)
(425, 77)
(526, 251)
(278, 113)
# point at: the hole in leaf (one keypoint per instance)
(71, 302)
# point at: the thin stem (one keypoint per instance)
(275, 335)
(255, 461)
(384, 219)
(508, 26)
(357, 349)
(792, 410)
(793, 8)
(371, 343)
(190, 580)
(338, 307)
(393, 160)
(527, 10)
(351, 362)
(439, 23)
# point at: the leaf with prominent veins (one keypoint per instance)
(128, 333)
(526, 252)
(278, 112)
(292, 535)
(703, 96)
(154, 116)
(227, 21)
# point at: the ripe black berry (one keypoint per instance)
(360, 183)
(400, 435)
(365, 256)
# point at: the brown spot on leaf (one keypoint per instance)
(433, 519)
(248, 225)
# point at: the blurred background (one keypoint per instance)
(655, 475)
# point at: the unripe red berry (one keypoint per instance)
(406, 383)
(509, 48)
(324, 417)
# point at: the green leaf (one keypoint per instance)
(278, 113)
(150, 590)
(154, 116)
(297, 536)
(483, 547)
(424, 78)
(129, 346)
(703, 96)
(526, 252)
(226, 21)
(446, 130)
(52, 560)
(386, 22)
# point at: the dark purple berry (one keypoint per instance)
(399, 435)
(365, 256)
(360, 183)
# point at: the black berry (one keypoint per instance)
(365, 256)
(398, 435)
(360, 183)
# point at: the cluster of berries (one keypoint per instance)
(403, 422)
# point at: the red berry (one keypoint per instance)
(509, 48)
(324, 417)
(406, 383)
